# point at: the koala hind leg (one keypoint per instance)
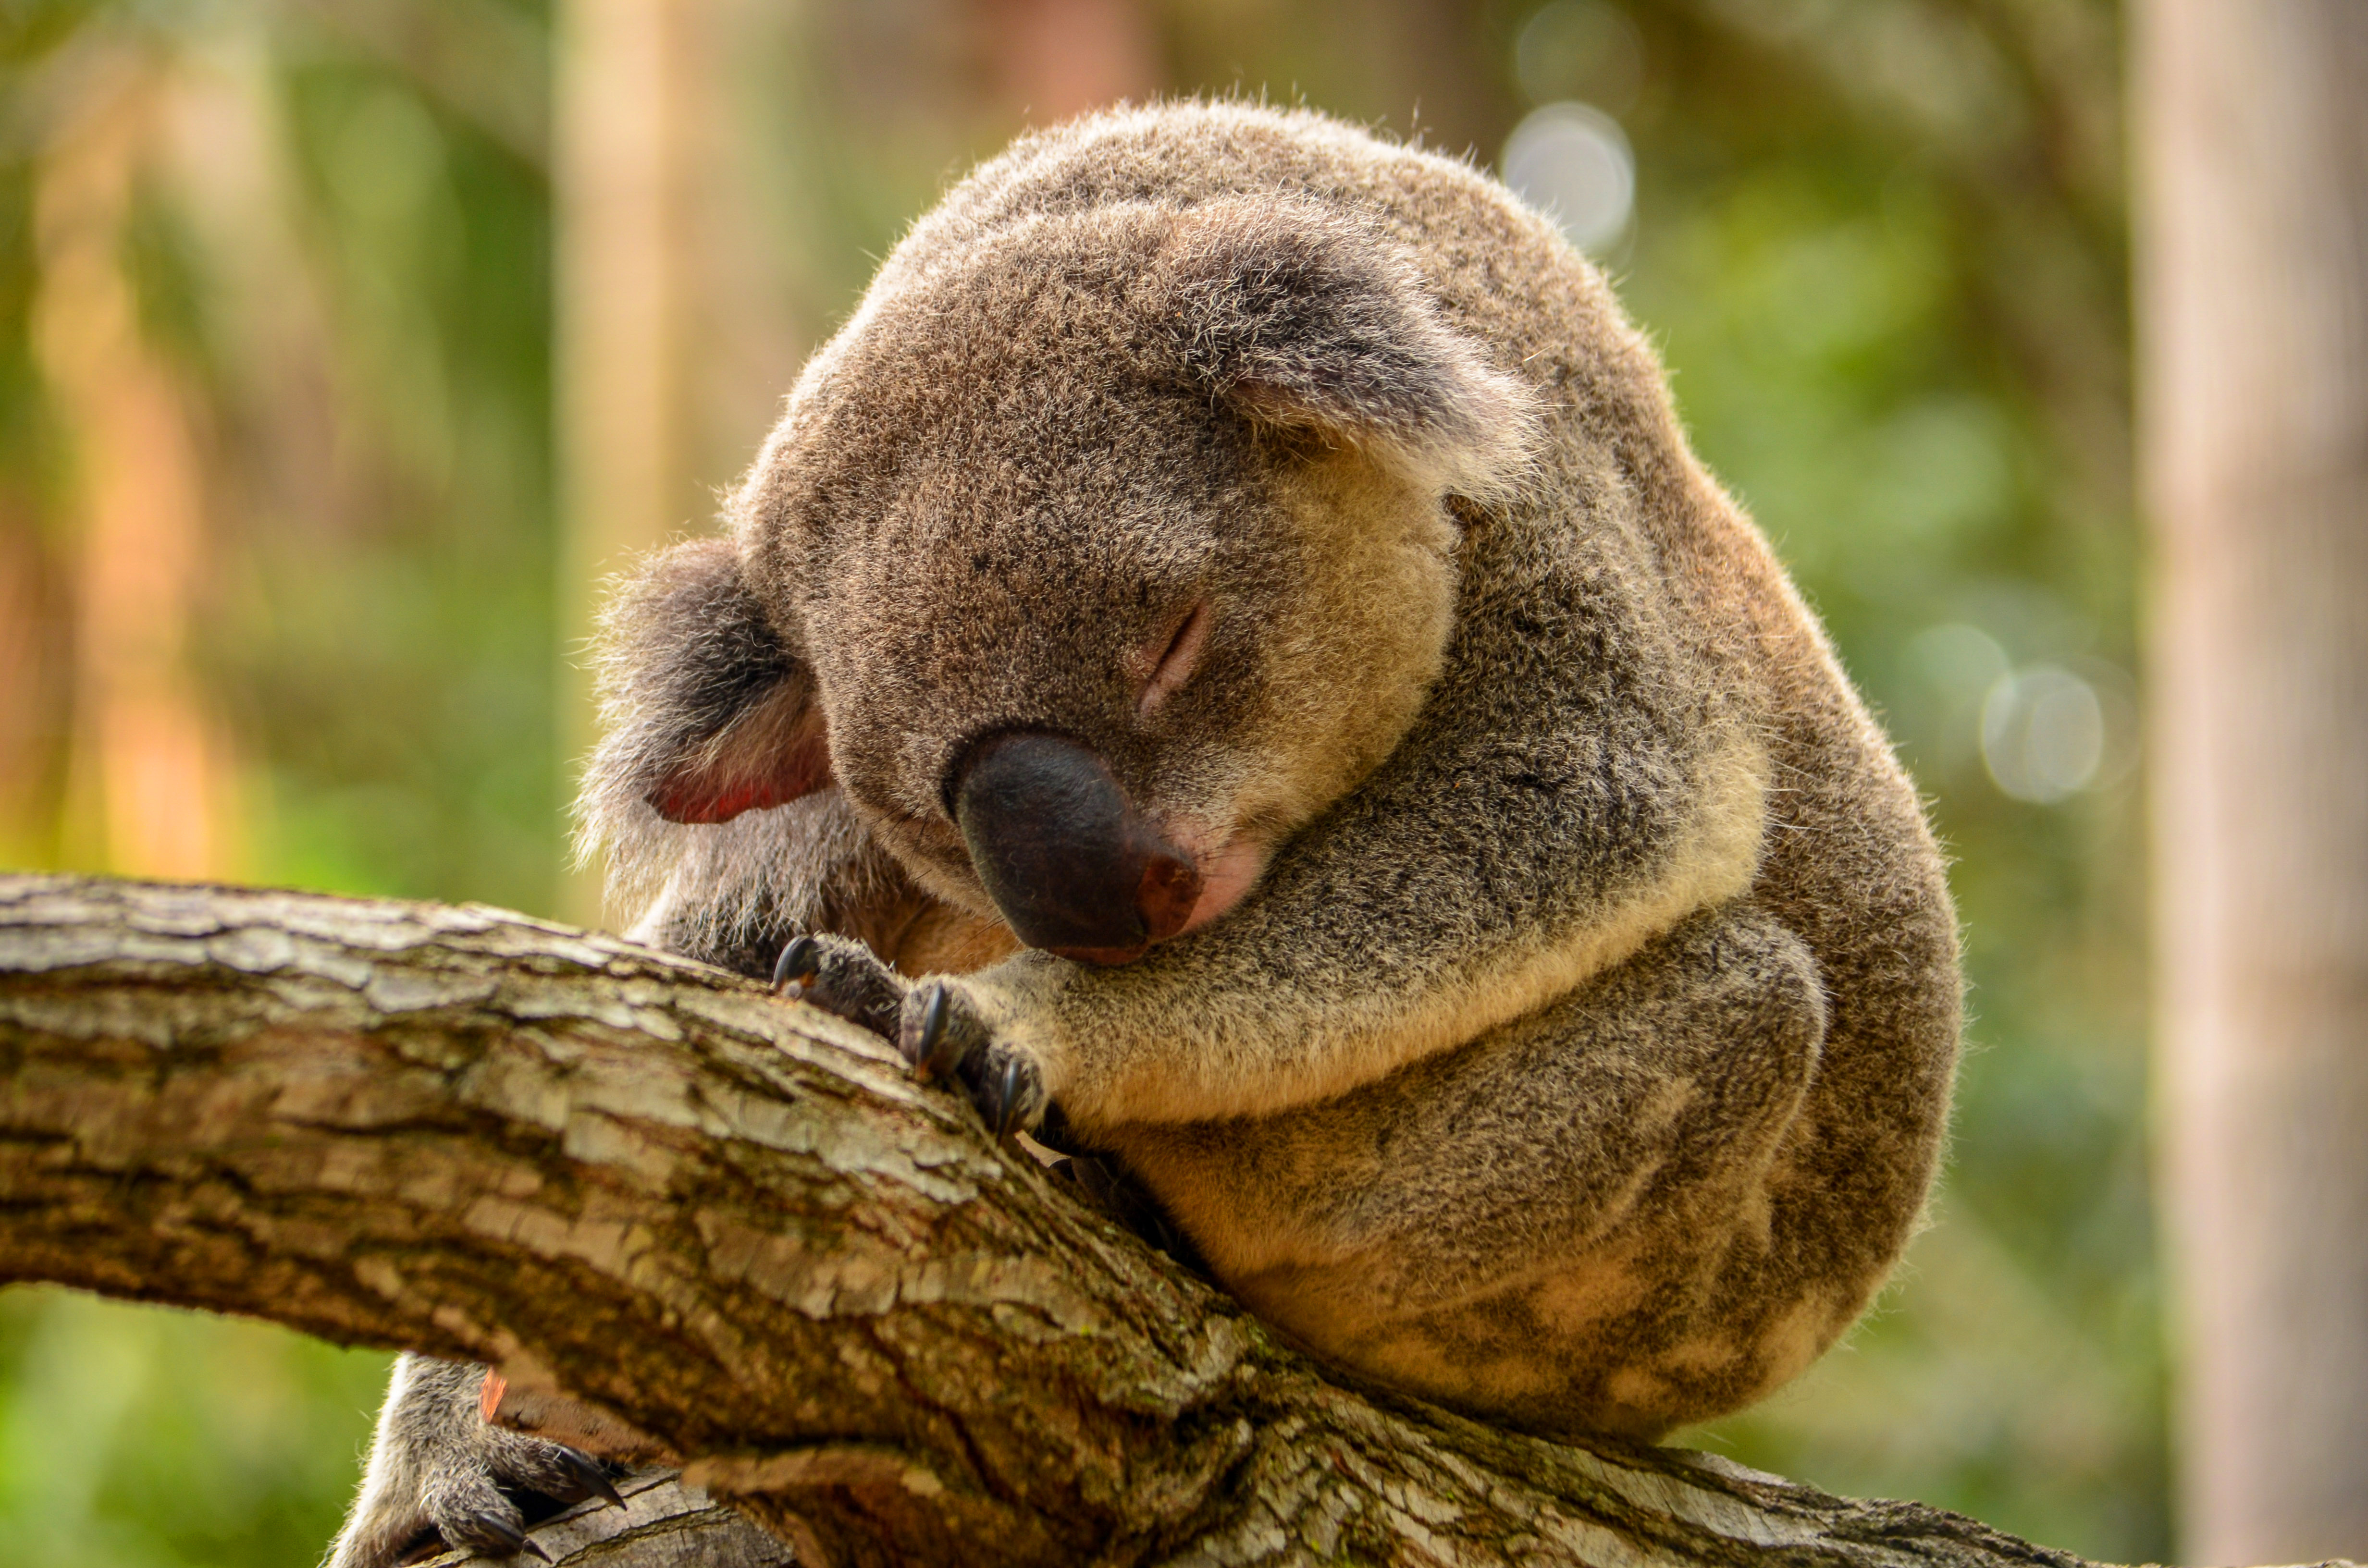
(1565, 1224)
(437, 1469)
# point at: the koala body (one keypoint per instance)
(1228, 654)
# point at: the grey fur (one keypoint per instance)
(437, 1466)
(1577, 1051)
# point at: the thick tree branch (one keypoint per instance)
(736, 1224)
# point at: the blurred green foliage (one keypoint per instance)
(1878, 239)
(146, 1438)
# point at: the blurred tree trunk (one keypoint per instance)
(2252, 140)
(739, 1227)
(151, 781)
(620, 190)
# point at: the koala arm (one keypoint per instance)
(1347, 964)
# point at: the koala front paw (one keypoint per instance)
(936, 1027)
(940, 1034)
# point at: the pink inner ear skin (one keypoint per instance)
(1171, 661)
(713, 789)
(693, 799)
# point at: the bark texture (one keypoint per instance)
(737, 1225)
(2252, 140)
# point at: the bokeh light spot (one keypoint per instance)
(2042, 734)
(1572, 160)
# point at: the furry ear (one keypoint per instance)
(1304, 321)
(705, 712)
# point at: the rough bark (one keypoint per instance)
(736, 1224)
(2252, 141)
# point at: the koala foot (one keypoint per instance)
(439, 1471)
(478, 1512)
(936, 1027)
(472, 1505)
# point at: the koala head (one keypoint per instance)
(1093, 559)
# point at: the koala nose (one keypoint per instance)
(1073, 867)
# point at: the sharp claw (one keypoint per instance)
(511, 1540)
(1006, 1096)
(799, 961)
(928, 1053)
(590, 1476)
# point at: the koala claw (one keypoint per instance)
(799, 961)
(588, 1475)
(491, 1535)
(936, 1033)
(1009, 1094)
(933, 1050)
(940, 1036)
(1006, 1087)
(841, 976)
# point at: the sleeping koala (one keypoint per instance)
(1228, 658)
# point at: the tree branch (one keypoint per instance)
(736, 1224)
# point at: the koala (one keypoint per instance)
(1228, 660)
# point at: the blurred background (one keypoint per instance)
(344, 345)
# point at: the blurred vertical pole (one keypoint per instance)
(151, 784)
(621, 181)
(2251, 132)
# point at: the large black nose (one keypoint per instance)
(1073, 867)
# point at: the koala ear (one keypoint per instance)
(1304, 321)
(706, 713)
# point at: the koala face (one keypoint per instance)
(1152, 643)
(1106, 555)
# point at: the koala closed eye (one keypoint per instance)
(1174, 660)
